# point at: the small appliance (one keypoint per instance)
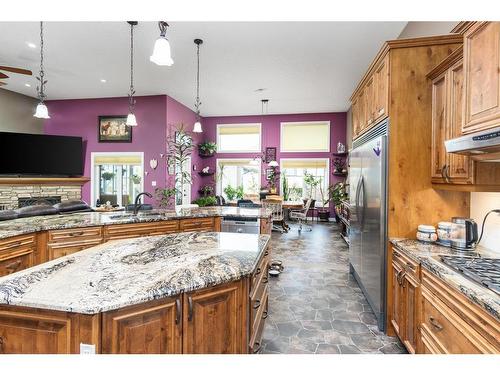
(463, 234)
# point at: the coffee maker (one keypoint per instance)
(463, 234)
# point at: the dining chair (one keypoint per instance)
(276, 207)
(301, 215)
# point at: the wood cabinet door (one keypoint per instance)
(397, 300)
(382, 90)
(17, 260)
(361, 111)
(460, 168)
(215, 320)
(482, 75)
(356, 125)
(369, 95)
(153, 328)
(439, 127)
(411, 303)
(60, 249)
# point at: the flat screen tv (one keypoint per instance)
(40, 155)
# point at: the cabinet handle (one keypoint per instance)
(256, 350)
(190, 309)
(264, 315)
(12, 245)
(446, 173)
(411, 266)
(266, 253)
(257, 272)
(76, 234)
(395, 254)
(256, 304)
(13, 266)
(381, 111)
(435, 323)
(178, 311)
(265, 280)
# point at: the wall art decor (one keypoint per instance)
(114, 129)
(270, 154)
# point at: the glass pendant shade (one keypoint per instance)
(197, 127)
(161, 53)
(131, 120)
(41, 111)
(273, 164)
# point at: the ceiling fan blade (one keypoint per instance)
(2, 76)
(16, 70)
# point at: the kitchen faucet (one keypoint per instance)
(138, 205)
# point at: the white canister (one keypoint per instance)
(426, 233)
(444, 233)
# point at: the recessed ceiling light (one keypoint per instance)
(31, 45)
(260, 90)
(27, 85)
(103, 80)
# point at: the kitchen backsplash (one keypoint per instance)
(480, 204)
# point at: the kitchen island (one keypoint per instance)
(30, 241)
(177, 293)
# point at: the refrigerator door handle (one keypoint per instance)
(361, 198)
(356, 199)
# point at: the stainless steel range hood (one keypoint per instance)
(483, 146)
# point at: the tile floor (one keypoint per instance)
(315, 304)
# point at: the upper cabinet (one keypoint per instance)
(482, 76)
(370, 102)
(446, 113)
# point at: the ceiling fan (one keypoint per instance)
(13, 70)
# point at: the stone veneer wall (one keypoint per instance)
(10, 193)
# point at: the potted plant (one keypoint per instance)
(164, 196)
(230, 192)
(207, 190)
(272, 177)
(335, 194)
(207, 148)
(136, 179)
(179, 149)
(284, 188)
(206, 201)
(106, 176)
(311, 184)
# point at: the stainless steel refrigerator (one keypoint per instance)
(368, 219)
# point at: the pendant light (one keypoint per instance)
(131, 120)
(41, 109)
(161, 51)
(197, 125)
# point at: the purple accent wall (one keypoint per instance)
(156, 116)
(271, 125)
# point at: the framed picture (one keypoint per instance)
(114, 129)
(269, 172)
(270, 154)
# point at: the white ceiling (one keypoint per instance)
(305, 67)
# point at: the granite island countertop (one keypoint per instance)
(16, 227)
(131, 271)
(428, 255)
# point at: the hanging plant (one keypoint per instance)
(106, 176)
(136, 179)
(207, 148)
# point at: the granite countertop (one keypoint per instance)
(428, 255)
(11, 228)
(131, 271)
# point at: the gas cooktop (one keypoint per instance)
(485, 271)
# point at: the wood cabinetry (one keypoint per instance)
(17, 253)
(452, 324)
(64, 242)
(482, 76)
(115, 232)
(370, 103)
(405, 300)
(259, 302)
(215, 320)
(154, 328)
(203, 224)
(447, 109)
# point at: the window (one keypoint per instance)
(116, 177)
(237, 178)
(313, 136)
(298, 172)
(238, 138)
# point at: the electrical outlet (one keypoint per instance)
(87, 349)
(153, 183)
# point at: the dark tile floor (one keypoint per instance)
(315, 304)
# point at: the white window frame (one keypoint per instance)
(93, 155)
(284, 124)
(239, 151)
(218, 186)
(327, 174)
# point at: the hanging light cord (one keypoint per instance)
(41, 79)
(198, 103)
(163, 28)
(132, 91)
(484, 221)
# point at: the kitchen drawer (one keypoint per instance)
(261, 272)
(258, 304)
(74, 234)
(16, 260)
(258, 326)
(479, 327)
(8, 244)
(411, 267)
(197, 225)
(113, 232)
(58, 250)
